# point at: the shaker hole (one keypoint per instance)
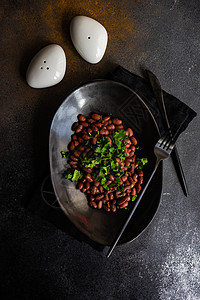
(88, 37)
(47, 68)
(44, 61)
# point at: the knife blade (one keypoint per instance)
(156, 87)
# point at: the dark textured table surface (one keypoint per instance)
(37, 259)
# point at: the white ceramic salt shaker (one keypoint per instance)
(47, 68)
(89, 38)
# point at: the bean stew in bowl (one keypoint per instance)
(101, 150)
(102, 158)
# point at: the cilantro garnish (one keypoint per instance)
(134, 197)
(65, 154)
(141, 162)
(73, 176)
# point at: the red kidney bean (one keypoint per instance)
(91, 120)
(131, 154)
(89, 130)
(95, 128)
(96, 117)
(100, 203)
(74, 125)
(93, 204)
(133, 192)
(105, 119)
(121, 181)
(140, 180)
(104, 132)
(71, 146)
(87, 170)
(106, 208)
(140, 172)
(80, 185)
(77, 153)
(87, 149)
(99, 125)
(73, 164)
(72, 157)
(101, 189)
(133, 140)
(111, 196)
(86, 137)
(127, 162)
(88, 177)
(118, 127)
(111, 127)
(117, 193)
(130, 179)
(84, 124)
(117, 121)
(129, 132)
(121, 200)
(84, 190)
(81, 118)
(124, 178)
(76, 143)
(126, 188)
(79, 128)
(112, 177)
(113, 207)
(132, 168)
(108, 182)
(81, 148)
(74, 137)
(125, 204)
(94, 141)
(97, 183)
(87, 185)
(106, 197)
(133, 148)
(99, 197)
(127, 140)
(135, 176)
(138, 188)
(81, 140)
(127, 182)
(93, 190)
(105, 124)
(92, 198)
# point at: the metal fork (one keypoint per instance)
(162, 150)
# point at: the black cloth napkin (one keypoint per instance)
(179, 114)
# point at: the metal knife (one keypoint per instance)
(156, 87)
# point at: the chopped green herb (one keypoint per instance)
(134, 197)
(65, 154)
(68, 175)
(77, 174)
(141, 162)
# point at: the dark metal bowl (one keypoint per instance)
(104, 97)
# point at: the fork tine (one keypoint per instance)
(167, 141)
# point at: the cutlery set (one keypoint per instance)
(163, 149)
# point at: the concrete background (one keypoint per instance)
(39, 261)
